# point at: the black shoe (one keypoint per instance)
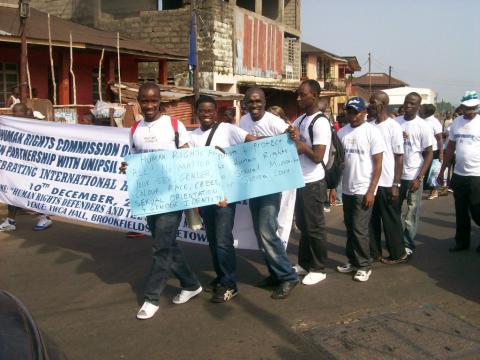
(478, 249)
(458, 248)
(377, 258)
(283, 290)
(224, 293)
(390, 261)
(268, 282)
(212, 285)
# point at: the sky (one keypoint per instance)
(429, 43)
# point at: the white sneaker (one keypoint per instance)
(43, 223)
(147, 311)
(347, 268)
(299, 270)
(185, 295)
(313, 278)
(408, 251)
(362, 275)
(8, 225)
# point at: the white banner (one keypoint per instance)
(71, 171)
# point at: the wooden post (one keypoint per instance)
(29, 81)
(119, 73)
(23, 59)
(72, 73)
(51, 62)
(99, 78)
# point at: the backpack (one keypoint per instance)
(174, 122)
(336, 156)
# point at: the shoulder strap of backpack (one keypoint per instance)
(132, 130)
(174, 122)
(310, 127)
(212, 131)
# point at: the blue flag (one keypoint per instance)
(192, 61)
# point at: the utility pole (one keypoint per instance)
(24, 13)
(193, 55)
(389, 77)
(370, 74)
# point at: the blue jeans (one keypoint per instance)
(264, 211)
(412, 214)
(219, 225)
(167, 257)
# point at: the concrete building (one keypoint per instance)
(333, 72)
(240, 42)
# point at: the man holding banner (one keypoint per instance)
(219, 219)
(313, 138)
(265, 208)
(155, 133)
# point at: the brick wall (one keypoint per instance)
(60, 8)
(290, 14)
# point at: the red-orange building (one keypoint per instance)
(87, 44)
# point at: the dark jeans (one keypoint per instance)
(412, 214)
(357, 220)
(167, 257)
(388, 214)
(264, 211)
(219, 225)
(310, 219)
(466, 192)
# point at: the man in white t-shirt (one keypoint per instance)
(418, 141)
(313, 137)
(464, 144)
(364, 147)
(156, 133)
(219, 219)
(427, 112)
(384, 210)
(265, 209)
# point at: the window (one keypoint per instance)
(8, 80)
(247, 4)
(304, 68)
(342, 71)
(270, 9)
(170, 4)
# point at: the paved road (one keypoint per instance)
(83, 286)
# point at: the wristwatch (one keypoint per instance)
(420, 178)
(397, 184)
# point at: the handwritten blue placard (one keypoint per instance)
(171, 180)
(260, 167)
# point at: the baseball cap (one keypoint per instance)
(357, 103)
(470, 99)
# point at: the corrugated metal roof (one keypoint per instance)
(171, 93)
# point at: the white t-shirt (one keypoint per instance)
(157, 135)
(360, 144)
(268, 125)
(226, 135)
(420, 136)
(322, 135)
(392, 135)
(466, 134)
(436, 127)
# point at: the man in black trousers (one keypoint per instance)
(384, 208)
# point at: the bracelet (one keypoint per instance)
(397, 184)
(420, 178)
